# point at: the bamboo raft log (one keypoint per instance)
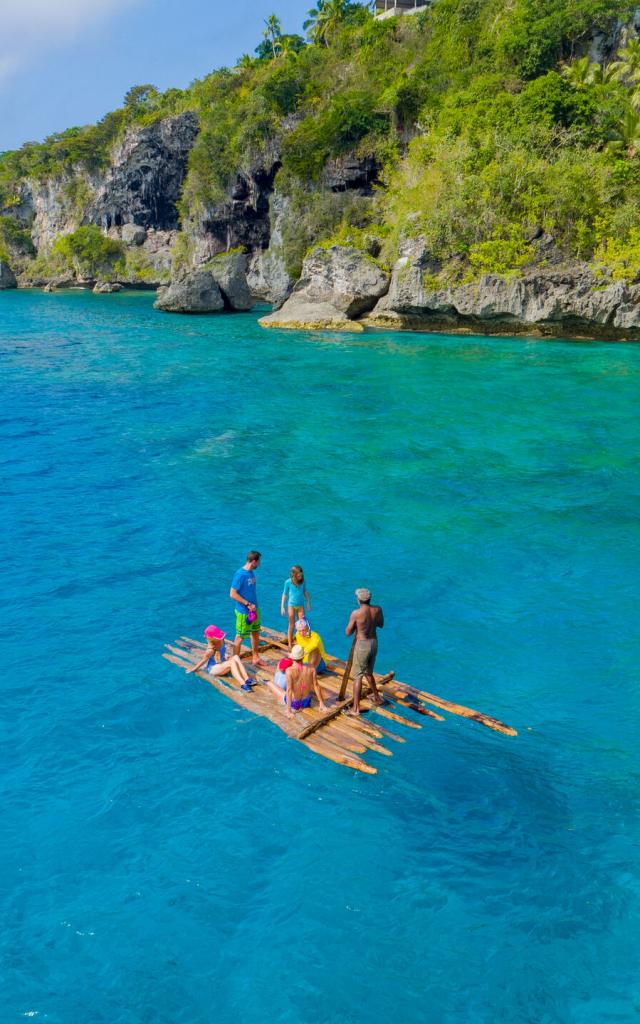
(333, 734)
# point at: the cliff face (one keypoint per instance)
(144, 182)
(141, 186)
(135, 200)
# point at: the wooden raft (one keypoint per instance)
(333, 733)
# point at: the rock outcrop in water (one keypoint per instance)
(197, 292)
(564, 300)
(229, 271)
(337, 285)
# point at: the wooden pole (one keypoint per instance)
(347, 671)
(341, 705)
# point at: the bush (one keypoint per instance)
(500, 255)
(620, 257)
(87, 252)
(315, 216)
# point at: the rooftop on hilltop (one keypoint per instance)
(388, 8)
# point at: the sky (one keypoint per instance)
(68, 62)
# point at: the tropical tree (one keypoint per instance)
(624, 139)
(272, 33)
(627, 67)
(245, 62)
(582, 73)
(325, 18)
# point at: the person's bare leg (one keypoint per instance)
(237, 644)
(357, 690)
(275, 689)
(239, 663)
(318, 691)
(235, 671)
(290, 630)
(256, 659)
(377, 699)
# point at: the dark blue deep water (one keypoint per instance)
(169, 859)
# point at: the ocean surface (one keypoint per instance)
(169, 859)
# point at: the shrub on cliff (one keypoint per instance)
(87, 252)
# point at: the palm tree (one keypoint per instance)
(625, 138)
(245, 62)
(272, 33)
(325, 18)
(627, 67)
(582, 73)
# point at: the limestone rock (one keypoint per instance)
(300, 314)
(338, 283)
(195, 293)
(344, 277)
(133, 234)
(7, 277)
(229, 271)
(267, 275)
(565, 300)
(144, 181)
(107, 287)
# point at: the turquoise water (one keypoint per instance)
(167, 858)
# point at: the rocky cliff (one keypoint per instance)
(342, 289)
(566, 299)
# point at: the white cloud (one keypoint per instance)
(34, 27)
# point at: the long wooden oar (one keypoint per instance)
(347, 671)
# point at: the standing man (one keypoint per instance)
(244, 593)
(364, 622)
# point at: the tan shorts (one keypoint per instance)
(364, 657)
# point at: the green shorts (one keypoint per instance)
(244, 628)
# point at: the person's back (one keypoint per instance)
(301, 681)
(367, 619)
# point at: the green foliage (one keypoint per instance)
(316, 215)
(620, 256)
(181, 254)
(87, 252)
(135, 267)
(489, 119)
(500, 255)
(15, 240)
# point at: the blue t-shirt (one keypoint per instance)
(294, 593)
(244, 582)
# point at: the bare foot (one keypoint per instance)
(353, 713)
(377, 700)
(259, 662)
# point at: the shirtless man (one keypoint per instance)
(364, 622)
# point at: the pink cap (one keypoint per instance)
(213, 633)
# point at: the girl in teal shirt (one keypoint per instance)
(294, 594)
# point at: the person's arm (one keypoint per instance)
(289, 712)
(284, 596)
(380, 622)
(319, 693)
(235, 596)
(195, 668)
(306, 594)
(351, 625)
(323, 653)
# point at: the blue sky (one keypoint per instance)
(67, 62)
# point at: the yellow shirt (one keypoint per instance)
(310, 643)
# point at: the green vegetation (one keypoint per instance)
(135, 267)
(87, 253)
(15, 241)
(488, 121)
